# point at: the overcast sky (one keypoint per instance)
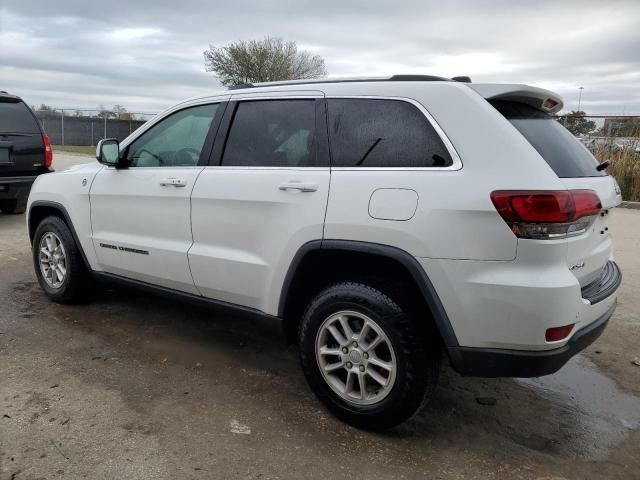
(146, 55)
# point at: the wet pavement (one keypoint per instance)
(134, 386)
(604, 414)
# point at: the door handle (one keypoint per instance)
(302, 186)
(173, 182)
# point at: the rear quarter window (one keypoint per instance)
(383, 133)
(15, 117)
(564, 153)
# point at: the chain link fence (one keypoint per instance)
(612, 126)
(70, 126)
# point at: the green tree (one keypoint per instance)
(45, 111)
(267, 60)
(577, 123)
(121, 113)
(104, 113)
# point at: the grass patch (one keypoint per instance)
(85, 150)
(625, 168)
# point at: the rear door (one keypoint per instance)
(263, 196)
(141, 215)
(572, 162)
(21, 144)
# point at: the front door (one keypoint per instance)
(264, 198)
(140, 215)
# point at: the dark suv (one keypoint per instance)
(25, 152)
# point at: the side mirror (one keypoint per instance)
(108, 152)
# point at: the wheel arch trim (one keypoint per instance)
(424, 284)
(66, 217)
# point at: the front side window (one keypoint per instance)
(383, 133)
(175, 141)
(272, 133)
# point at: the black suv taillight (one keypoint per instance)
(48, 152)
(546, 215)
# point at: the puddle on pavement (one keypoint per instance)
(603, 414)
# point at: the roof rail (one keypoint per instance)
(240, 85)
(393, 78)
(417, 78)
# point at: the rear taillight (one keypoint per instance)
(547, 215)
(48, 152)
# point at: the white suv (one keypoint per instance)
(384, 222)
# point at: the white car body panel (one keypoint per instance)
(70, 188)
(246, 230)
(132, 209)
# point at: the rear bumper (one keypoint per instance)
(603, 286)
(488, 362)
(16, 187)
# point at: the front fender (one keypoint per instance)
(68, 193)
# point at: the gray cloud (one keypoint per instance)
(148, 55)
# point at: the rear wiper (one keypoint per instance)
(16, 134)
(364, 157)
(603, 165)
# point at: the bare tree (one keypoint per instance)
(265, 60)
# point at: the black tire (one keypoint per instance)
(78, 284)
(14, 206)
(417, 349)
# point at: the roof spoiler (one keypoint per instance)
(544, 100)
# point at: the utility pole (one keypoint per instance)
(62, 125)
(580, 98)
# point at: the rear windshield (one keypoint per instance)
(561, 150)
(15, 117)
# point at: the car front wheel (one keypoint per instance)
(365, 357)
(58, 263)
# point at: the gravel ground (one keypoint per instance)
(134, 386)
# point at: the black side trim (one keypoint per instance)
(322, 134)
(493, 362)
(178, 295)
(67, 218)
(24, 180)
(291, 272)
(215, 159)
(605, 285)
(209, 141)
(436, 308)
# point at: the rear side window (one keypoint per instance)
(561, 150)
(15, 117)
(272, 133)
(383, 133)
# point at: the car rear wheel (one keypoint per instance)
(58, 263)
(365, 357)
(13, 206)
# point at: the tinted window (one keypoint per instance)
(17, 118)
(383, 133)
(561, 150)
(175, 141)
(272, 133)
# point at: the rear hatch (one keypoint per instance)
(22, 151)
(589, 252)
